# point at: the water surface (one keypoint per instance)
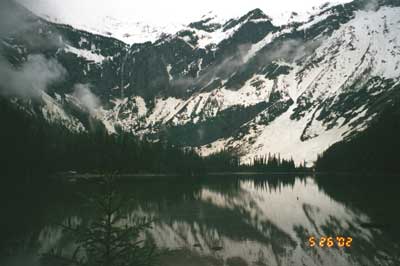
(224, 220)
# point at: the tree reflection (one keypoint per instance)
(256, 220)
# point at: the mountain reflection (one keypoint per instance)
(267, 221)
(248, 221)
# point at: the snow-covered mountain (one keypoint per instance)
(129, 31)
(245, 84)
(135, 30)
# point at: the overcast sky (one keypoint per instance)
(162, 11)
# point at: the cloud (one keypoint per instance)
(86, 98)
(31, 78)
(371, 5)
(12, 18)
(222, 69)
(290, 50)
(16, 20)
(34, 73)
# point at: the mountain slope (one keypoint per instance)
(244, 85)
(374, 150)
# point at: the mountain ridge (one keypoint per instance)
(324, 79)
(133, 31)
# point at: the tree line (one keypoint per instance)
(30, 146)
(227, 161)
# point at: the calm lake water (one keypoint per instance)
(224, 220)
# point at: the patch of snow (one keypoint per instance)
(141, 105)
(82, 41)
(246, 96)
(88, 55)
(283, 136)
(199, 66)
(109, 127)
(217, 36)
(164, 109)
(128, 31)
(302, 16)
(314, 20)
(258, 46)
(214, 147)
(169, 67)
(54, 113)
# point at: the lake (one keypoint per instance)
(228, 220)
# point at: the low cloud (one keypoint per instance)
(34, 73)
(290, 50)
(86, 98)
(371, 5)
(31, 78)
(16, 20)
(12, 19)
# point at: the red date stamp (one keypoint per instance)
(328, 241)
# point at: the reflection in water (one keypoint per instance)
(247, 221)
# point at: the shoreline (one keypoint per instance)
(73, 177)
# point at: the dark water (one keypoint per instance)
(224, 220)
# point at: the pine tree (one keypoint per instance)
(109, 240)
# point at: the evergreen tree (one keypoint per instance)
(110, 240)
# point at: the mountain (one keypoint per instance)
(127, 31)
(135, 28)
(372, 151)
(245, 85)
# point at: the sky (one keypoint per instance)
(158, 12)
